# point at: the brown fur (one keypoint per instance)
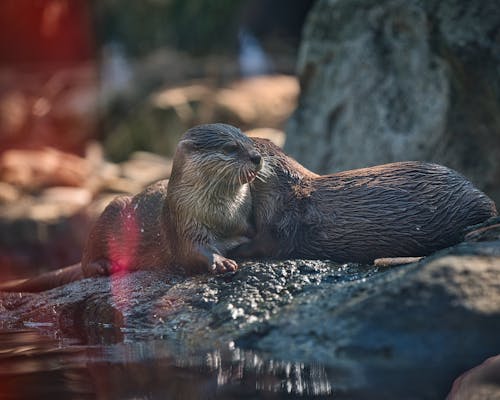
(403, 209)
(187, 225)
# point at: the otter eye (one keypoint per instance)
(229, 148)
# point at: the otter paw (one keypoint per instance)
(222, 264)
(98, 268)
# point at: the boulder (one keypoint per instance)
(404, 332)
(394, 80)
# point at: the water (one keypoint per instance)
(36, 366)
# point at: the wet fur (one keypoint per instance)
(186, 225)
(393, 210)
(208, 210)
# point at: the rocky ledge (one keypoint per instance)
(405, 332)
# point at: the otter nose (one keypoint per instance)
(255, 157)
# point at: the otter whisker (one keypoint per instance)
(260, 178)
(226, 179)
(263, 175)
(239, 179)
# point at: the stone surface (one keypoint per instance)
(274, 135)
(405, 332)
(394, 80)
(482, 382)
(146, 168)
(36, 169)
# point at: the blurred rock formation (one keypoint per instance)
(392, 80)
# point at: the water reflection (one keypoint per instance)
(34, 366)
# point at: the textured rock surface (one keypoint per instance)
(482, 382)
(406, 332)
(395, 80)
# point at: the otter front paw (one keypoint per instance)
(222, 264)
(100, 267)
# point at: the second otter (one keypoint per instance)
(403, 209)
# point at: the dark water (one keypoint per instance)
(35, 366)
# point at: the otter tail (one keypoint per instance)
(46, 281)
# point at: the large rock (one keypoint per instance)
(393, 80)
(407, 332)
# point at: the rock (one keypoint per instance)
(481, 382)
(8, 193)
(274, 135)
(145, 168)
(405, 332)
(263, 101)
(400, 80)
(36, 169)
(43, 233)
(49, 200)
(61, 196)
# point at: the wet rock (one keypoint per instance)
(200, 310)
(409, 331)
(405, 332)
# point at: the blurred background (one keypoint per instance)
(94, 95)
(72, 71)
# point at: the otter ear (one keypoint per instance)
(186, 144)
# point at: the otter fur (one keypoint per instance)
(402, 209)
(186, 225)
(232, 196)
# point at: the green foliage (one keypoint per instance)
(196, 26)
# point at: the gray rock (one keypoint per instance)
(394, 80)
(482, 382)
(405, 332)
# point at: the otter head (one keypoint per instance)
(219, 155)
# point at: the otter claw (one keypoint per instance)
(222, 264)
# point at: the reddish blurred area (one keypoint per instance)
(65, 71)
(48, 74)
(37, 32)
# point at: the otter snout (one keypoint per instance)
(253, 163)
(255, 157)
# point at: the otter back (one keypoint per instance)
(403, 209)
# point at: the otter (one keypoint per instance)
(231, 197)
(186, 225)
(402, 209)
